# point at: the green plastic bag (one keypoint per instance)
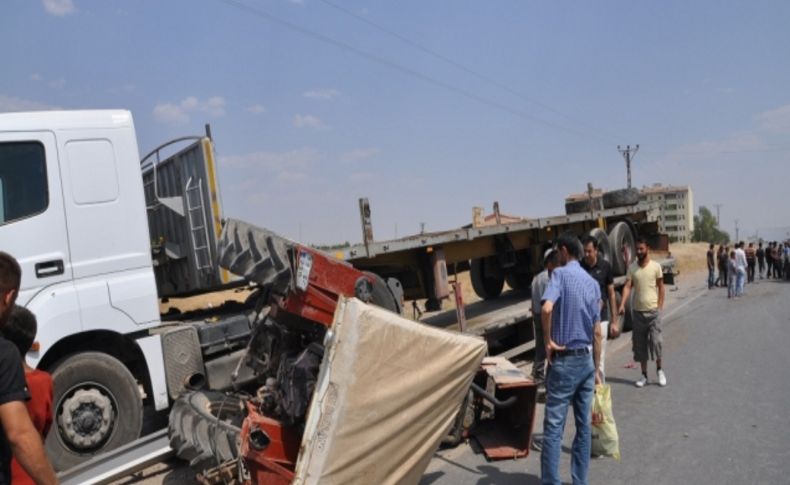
(604, 431)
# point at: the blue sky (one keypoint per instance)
(429, 107)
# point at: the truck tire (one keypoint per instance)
(205, 428)
(486, 285)
(620, 198)
(97, 408)
(621, 240)
(580, 206)
(604, 248)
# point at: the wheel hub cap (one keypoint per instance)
(86, 418)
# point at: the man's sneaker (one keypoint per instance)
(662, 379)
(641, 382)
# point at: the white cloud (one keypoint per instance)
(308, 121)
(179, 114)
(325, 93)
(59, 83)
(256, 109)
(776, 120)
(35, 77)
(11, 104)
(359, 154)
(297, 2)
(170, 114)
(59, 8)
(291, 160)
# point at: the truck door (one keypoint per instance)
(32, 219)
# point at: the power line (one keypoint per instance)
(461, 67)
(404, 69)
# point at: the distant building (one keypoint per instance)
(674, 211)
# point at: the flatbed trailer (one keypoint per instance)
(509, 252)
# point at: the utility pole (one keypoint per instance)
(628, 154)
(737, 238)
(718, 207)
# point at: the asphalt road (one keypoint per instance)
(724, 417)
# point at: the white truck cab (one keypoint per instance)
(73, 212)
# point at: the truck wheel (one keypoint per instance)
(487, 284)
(621, 240)
(97, 408)
(604, 248)
(205, 428)
(620, 198)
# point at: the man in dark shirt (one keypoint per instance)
(711, 267)
(601, 271)
(18, 436)
(760, 259)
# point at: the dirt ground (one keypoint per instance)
(689, 257)
(204, 301)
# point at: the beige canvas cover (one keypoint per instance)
(387, 393)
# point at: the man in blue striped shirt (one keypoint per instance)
(573, 346)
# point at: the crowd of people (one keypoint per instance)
(575, 299)
(741, 264)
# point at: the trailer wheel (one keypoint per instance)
(604, 248)
(205, 428)
(97, 408)
(621, 240)
(486, 283)
(620, 198)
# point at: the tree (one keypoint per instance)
(706, 228)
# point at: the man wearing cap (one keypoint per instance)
(539, 284)
(573, 341)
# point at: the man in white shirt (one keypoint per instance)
(740, 269)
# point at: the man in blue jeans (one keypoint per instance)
(573, 343)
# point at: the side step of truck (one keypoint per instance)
(120, 462)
